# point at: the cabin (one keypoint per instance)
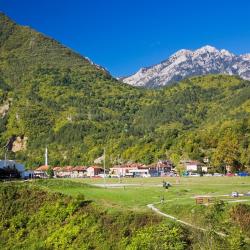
(94, 171)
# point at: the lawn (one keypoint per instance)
(136, 193)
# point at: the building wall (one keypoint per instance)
(192, 167)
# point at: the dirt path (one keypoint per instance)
(156, 210)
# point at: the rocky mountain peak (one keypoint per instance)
(185, 63)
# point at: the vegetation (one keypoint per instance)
(59, 99)
(33, 217)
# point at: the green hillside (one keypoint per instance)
(32, 218)
(52, 96)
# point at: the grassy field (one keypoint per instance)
(179, 200)
(136, 193)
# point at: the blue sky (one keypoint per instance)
(124, 35)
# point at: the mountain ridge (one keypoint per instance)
(185, 63)
(52, 97)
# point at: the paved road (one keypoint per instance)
(120, 185)
(156, 210)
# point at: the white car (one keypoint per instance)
(218, 174)
(103, 175)
(194, 175)
(234, 194)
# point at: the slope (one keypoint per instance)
(52, 96)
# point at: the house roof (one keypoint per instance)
(70, 168)
(43, 168)
(67, 169)
(79, 168)
(130, 166)
(123, 167)
(192, 162)
(95, 167)
(165, 163)
(57, 168)
(195, 163)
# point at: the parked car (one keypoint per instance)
(114, 176)
(146, 175)
(247, 194)
(218, 174)
(234, 194)
(194, 175)
(230, 174)
(243, 174)
(103, 175)
(171, 174)
(207, 175)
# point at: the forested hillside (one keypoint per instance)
(52, 96)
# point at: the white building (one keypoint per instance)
(139, 172)
(94, 171)
(194, 166)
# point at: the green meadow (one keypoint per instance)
(133, 194)
(136, 193)
(113, 214)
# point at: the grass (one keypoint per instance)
(149, 190)
(179, 199)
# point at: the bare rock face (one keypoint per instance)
(19, 144)
(4, 109)
(186, 63)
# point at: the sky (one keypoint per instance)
(125, 35)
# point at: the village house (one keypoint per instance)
(79, 172)
(41, 172)
(161, 168)
(94, 171)
(70, 172)
(67, 171)
(63, 172)
(128, 169)
(119, 171)
(194, 166)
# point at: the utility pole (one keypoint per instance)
(5, 159)
(158, 172)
